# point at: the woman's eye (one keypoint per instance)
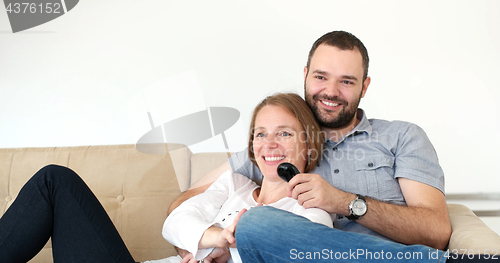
(259, 135)
(285, 134)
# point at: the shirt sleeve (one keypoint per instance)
(185, 226)
(416, 159)
(316, 215)
(240, 163)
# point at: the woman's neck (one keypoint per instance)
(271, 191)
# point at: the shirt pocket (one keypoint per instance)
(377, 172)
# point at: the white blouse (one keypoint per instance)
(218, 206)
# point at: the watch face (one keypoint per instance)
(359, 208)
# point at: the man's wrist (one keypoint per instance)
(357, 208)
(345, 204)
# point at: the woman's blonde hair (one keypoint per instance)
(294, 104)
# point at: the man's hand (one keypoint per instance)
(311, 190)
(423, 220)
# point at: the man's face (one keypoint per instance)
(334, 85)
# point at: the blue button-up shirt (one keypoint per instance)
(368, 161)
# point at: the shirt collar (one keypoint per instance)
(363, 126)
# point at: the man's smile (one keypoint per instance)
(331, 104)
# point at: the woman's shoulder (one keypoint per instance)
(241, 180)
(232, 181)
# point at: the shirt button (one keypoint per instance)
(336, 171)
(335, 149)
(370, 165)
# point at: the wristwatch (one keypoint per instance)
(357, 208)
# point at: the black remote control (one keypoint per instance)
(287, 171)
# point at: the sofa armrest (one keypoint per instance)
(470, 233)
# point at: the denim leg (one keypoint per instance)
(56, 203)
(266, 234)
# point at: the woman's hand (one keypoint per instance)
(226, 236)
(218, 255)
(189, 258)
(218, 237)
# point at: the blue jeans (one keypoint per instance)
(266, 234)
(56, 203)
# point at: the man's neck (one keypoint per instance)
(337, 134)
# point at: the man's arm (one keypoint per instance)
(197, 188)
(201, 185)
(424, 220)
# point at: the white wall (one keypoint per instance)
(89, 76)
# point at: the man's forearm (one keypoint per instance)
(408, 225)
(183, 197)
(186, 195)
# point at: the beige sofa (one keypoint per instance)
(136, 190)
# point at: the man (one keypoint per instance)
(380, 178)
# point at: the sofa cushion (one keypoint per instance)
(136, 189)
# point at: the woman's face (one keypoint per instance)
(278, 138)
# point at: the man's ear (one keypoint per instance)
(366, 83)
(305, 72)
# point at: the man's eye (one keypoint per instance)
(347, 82)
(320, 77)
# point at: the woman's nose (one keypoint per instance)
(271, 142)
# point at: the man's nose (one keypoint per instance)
(332, 89)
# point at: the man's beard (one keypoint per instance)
(343, 119)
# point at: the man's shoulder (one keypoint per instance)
(391, 127)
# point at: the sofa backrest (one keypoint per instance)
(202, 163)
(136, 189)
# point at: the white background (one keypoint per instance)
(90, 76)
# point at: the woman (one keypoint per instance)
(283, 129)
(56, 203)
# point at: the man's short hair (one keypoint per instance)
(344, 41)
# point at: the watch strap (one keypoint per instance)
(351, 215)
